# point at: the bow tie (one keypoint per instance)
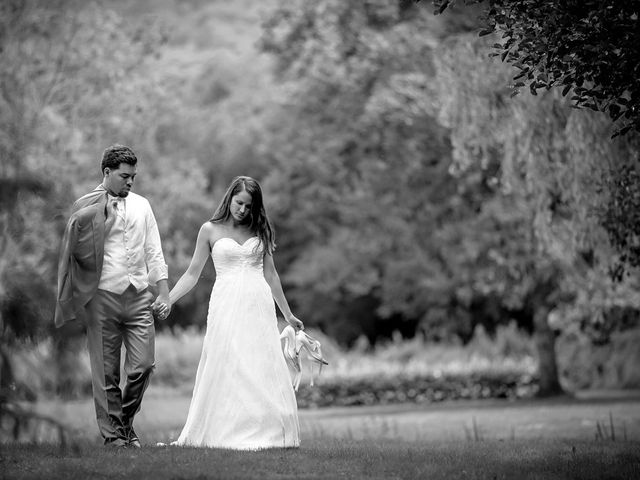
(115, 205)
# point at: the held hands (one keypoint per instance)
(161, 307)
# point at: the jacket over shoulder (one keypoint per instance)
(81, 256)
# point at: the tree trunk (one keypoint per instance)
(545, 341)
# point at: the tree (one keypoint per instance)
(557, 161)
(590, 47)
(62, 65)
(393, 239)
(366, 85)
(359, 152)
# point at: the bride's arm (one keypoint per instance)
(190, 277)
(273, 279)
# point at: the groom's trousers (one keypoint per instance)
(114, 320)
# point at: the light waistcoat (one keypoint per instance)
(132, 248)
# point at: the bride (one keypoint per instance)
(243, 397)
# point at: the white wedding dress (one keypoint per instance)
(243, 397)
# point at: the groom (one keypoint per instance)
(110, 254)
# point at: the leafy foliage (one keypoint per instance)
(593, 48)
(361, 154)
(409, 192)
(63, 65)
(621, 218)
(402, 389)
(555, 160)
(590, 48)
(516, 221)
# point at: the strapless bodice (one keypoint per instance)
(231, 257)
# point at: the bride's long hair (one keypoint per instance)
(260, 224)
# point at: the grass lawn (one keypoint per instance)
(550, 439)
(334, 459)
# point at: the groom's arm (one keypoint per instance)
(162, 305)
(156, 266)
(154, 258)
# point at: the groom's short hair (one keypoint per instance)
(114, 155)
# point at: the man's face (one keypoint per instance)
(119, 182)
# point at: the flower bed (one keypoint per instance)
(416, 389)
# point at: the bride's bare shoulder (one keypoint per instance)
(213, 231)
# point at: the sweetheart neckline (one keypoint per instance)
(233, 240)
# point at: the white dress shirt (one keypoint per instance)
(132, 248)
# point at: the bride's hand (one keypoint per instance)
(296, 323)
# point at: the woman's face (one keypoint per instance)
(240, 207)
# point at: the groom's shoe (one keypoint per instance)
(134, 441)
(116, 443)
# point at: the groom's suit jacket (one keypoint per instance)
(81, 256)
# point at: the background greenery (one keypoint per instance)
(421, 209)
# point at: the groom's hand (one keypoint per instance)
(161, 307)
